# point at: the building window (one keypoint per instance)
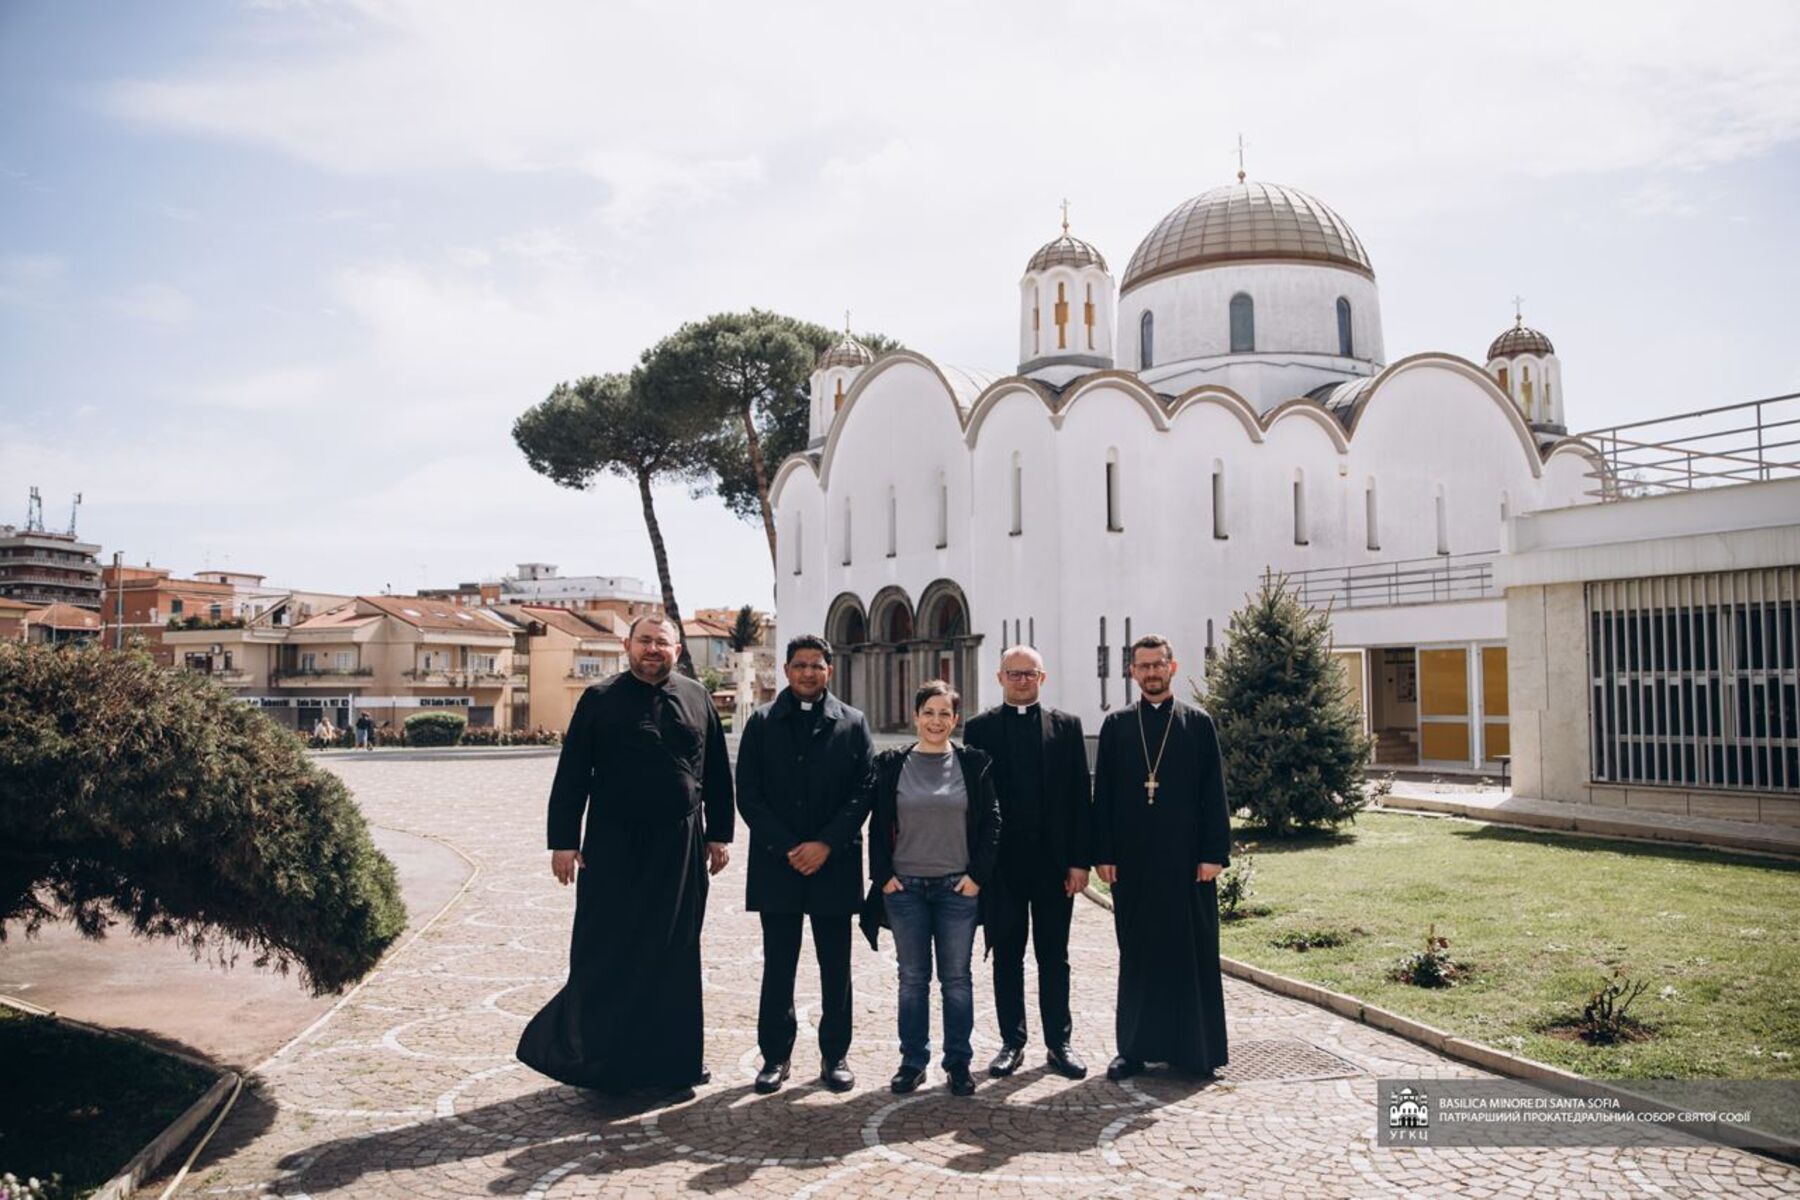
(1346, 342)
(1300, 508)
(175, 607)
(1369, 516)
(1243, 324)
(1505, 382)
(943, 512)
(343, 660)
(215, 612)
(1443, 522)
(893, 515)
(1018, 495)
(1037, 319)
(846, 531)
(1146, 341)
(1114, 518)
(1218, 499)
(309, 662)
(799, 534)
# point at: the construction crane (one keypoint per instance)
(74, 509)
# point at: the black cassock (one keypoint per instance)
(647, 765)
(1171, 1004)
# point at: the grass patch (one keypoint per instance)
(1542, 921)
(80, 1104)
(1311, 939)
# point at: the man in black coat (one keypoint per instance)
(1041, 773)
(798, 768)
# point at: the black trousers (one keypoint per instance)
(775, 1024)
(1041, 910)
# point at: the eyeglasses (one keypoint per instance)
(1022, 676)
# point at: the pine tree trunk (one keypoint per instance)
(761, 474)
(685, 662)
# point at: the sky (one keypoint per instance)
(276, 277)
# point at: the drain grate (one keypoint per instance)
(1284, 1060)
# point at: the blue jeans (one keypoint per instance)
(924, 912)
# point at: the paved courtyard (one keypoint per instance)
(409, 1088)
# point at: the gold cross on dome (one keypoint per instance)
(1241, 144)
(1065, 212)
(1518, 310)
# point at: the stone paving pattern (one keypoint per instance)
(410, 1089)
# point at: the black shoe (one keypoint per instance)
(702, 1079)
(1123, 1068)
(837, 1076)
(961, 1082)
(1006, 1062)
(1063, 1061)
(771, 1077)
(907, 1079)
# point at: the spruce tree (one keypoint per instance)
(1295, 753)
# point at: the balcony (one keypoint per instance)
(1434, 580)
(229, 678)
(447, 678)
(321, 676)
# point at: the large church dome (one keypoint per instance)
(1246, 222)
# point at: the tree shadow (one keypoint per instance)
(726, 1137)
(1261, 842)
(1661, 851)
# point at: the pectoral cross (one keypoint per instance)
(1150, 786)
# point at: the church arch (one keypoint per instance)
(948, 646)
(846, 622)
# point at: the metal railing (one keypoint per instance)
(1434, 580)
(1711, 447)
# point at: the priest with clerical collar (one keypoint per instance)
(1162, 834)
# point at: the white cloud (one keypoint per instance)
(29, 279)
(154, 304)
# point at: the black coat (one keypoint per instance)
(1065, 822)
(794, 786)
(881, 788)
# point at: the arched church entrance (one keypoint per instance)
(890, 672)
(847, 629)
(945, 648)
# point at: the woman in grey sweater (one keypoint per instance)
(933, 838)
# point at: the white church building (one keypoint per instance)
(1227, 408)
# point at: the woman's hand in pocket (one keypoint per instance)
(968, 887)
(891, 886)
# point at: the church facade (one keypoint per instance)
(1224, 411)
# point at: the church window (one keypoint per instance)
(1505, 507)
(1062, 318)
(1547, 413)
(1369, 516)
(893, 515)
(837, 400)
(1443, 522)
(1505, 383)
(799, 530)
(1018, 495)
(1037, 312)
(1114, 519)
(1087, 316)
(1146, 341)
(1525, 390)
(943, 512)
(1218, 499)
(846, 531)
(1346, 343)
(1300, 538)
(1243, 324)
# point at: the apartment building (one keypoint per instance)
(564, 652)
(39, 567)
(139, 604)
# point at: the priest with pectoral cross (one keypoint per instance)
(1162, 834)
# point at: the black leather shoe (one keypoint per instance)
(1006, 1062)
(1064, 1062)
(961, 1082)
(703, 1078)
(907, 1079)
(1123, 1068)
(837, 1076)
(771, 1077)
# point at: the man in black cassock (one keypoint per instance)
(1162, 834)
(798, 770)
(1041, 774)
(645, 760)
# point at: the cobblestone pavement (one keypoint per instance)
(410, 1088)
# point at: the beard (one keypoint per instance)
(1157, 692)
(651, 672)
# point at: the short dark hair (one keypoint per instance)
(808, 641)
(937, 687)
(660, 619)
(1152, 641)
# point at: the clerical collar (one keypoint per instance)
(806, 706)
(1024, 710)
(1156, 706)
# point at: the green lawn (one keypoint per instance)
(1542, 919)
(81, 1104)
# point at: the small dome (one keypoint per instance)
(847, 353)
(1242, 222)
(1066, 251)
(1520, 339)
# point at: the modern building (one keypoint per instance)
(563, 653)
(40, 567)
(1653, 637)
(538, 583)
(1227, 411)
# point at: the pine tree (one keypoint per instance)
(1295, 753)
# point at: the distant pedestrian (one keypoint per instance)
(365, 731)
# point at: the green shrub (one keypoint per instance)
(132, 791)
(1234, 884)
(435, 728)
(1431, 967)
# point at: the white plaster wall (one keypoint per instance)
(800, 600)
(1296, 312)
